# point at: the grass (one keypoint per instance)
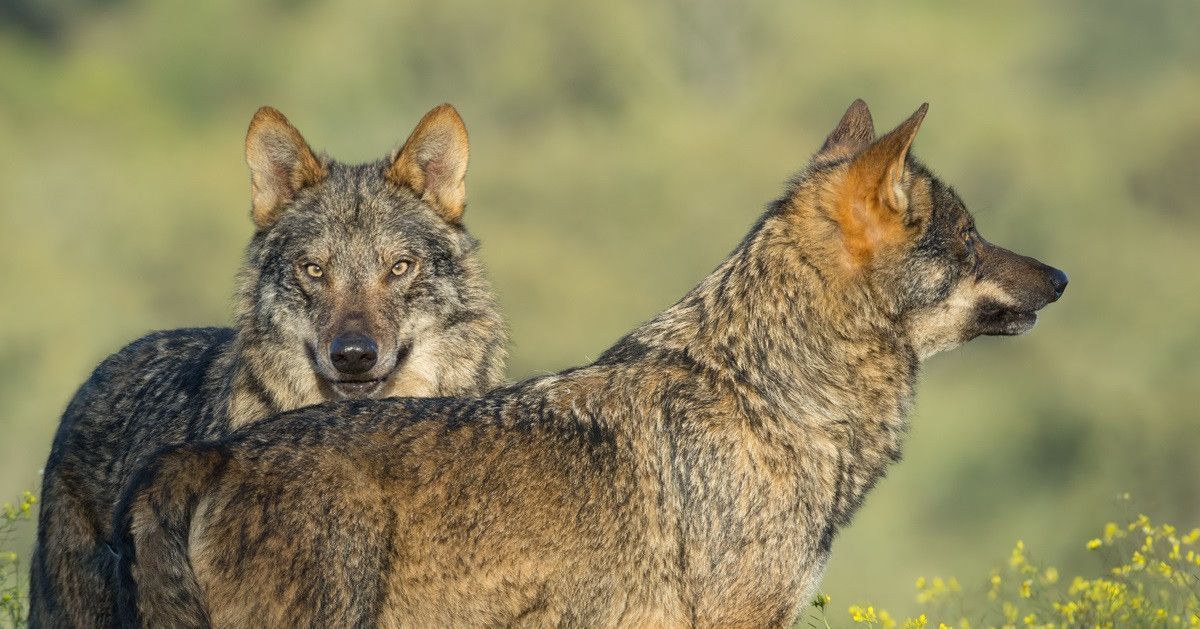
(1146, 575)
(14, 578)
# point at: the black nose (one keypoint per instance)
(353, 353)
(1059, 280)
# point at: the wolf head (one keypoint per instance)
(887, 233)
(361, 280)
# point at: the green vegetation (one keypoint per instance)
(14, 608)
(619, 150)
(1149, 578)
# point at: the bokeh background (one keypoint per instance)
(619, 150)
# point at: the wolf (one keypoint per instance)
(360, 281)
(695, 474)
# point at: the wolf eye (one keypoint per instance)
(314, 270)
(401, 267)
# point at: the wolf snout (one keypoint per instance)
(353, 353)
(1058, 280)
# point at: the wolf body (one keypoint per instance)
(696, 474)
(360, 281)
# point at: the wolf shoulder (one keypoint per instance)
(163, 373)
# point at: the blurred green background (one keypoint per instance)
(619, 151)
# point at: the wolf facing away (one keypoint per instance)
(360, 281)
(696, 474)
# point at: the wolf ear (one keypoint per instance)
(877, 171)
(854, 131)
(281, 163)
(433, 162)
(873, 199)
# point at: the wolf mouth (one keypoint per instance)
(367, 387)
(358, 388)
(998, 320)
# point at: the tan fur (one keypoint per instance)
(434, 161)
(281, 163)
(873, 197)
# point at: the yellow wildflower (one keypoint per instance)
(936, 588)
(1017, 559)
(1078, 585)
(1050, 575)
(1010, 611)
(858, 614)
(1093, 544)
(1068, 610)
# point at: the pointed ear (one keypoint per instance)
(872, 199)
(853, 132)
(281, 163)
(878, 170)
(433, 162)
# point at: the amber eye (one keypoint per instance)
(314, 270)
(401, 267)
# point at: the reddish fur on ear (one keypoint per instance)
(872, 200)
(281, 163)
(433, 162)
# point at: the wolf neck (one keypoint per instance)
(266, 374)
(805, 358)
(264, 381)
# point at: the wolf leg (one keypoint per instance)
(71, 573)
